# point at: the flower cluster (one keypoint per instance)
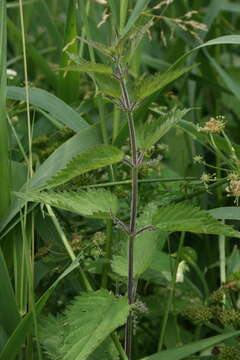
(233, 187)
(214, 126)
(206, 178)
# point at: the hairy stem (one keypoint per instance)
(127, 105)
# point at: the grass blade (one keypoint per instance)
(68, 84)
(52, 104)
(4, 146)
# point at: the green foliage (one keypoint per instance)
(14, 343)
(185, 217)
(9, 315)
(149, 134)
(139, 7)
(152, 42)
(68, 84)
(95, 158)
(4, 143)
(85, 325)
(145, 243)
(150, 85)
(46, 101)
(90, 67)
(181, 352)
(94, 203)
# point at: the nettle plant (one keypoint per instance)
(92, 326)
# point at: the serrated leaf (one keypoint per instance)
(145, 243)
(92, 159)
(185, 217)
(90, 67)
(107, 84)
(94, 203)
(151, 84)
(149, 134)
(52, 333)
(89, 321)
(182, 352)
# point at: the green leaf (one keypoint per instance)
(149, 134)
(136, 13)
(90, 67)
(151, 84)
(230, 82)
(9, 315)
(50, 103)
(226, 213)
(108, 51)
(145, 243)
(95, 158)
(106, 83)
(78, 144)
(51, 332)
(5, 187)
(17, 339)
(189, 349)
(34, 55)
(228, 39)
(89, 321)
(94, 203)
(68, 84)
(185, 217)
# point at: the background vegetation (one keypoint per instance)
(65, 184)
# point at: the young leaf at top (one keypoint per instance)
(185, 217)
(151, 84)
(94, 203)
(95, 158)
(149, 134)
(108, 51)
(90, 319)
(106, 83)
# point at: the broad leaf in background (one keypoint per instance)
(180, 353)
(149, 134)
(90, 319)
(95, 158)
(52, 104)
(94, 203)
(151, 84)
(145, 243)
(185, 217)
(78, 144)
(226, 213)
